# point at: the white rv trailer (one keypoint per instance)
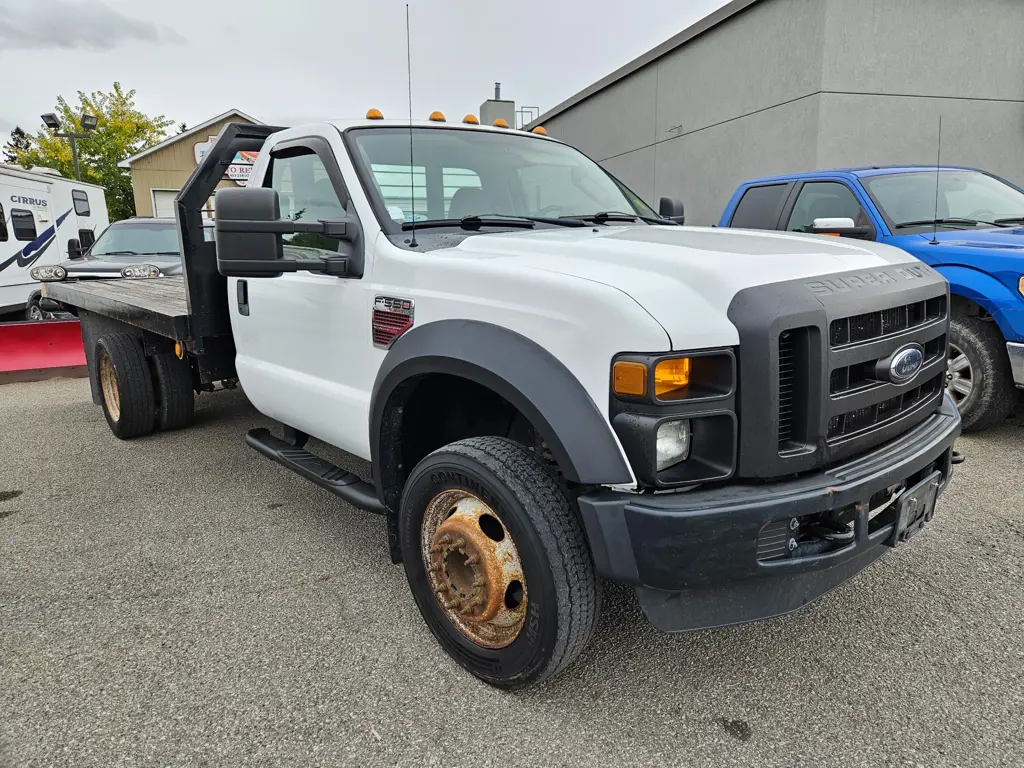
(40, 211)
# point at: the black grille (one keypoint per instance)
(885, 322)
(851, 378)
(871, 416)
(787, 382)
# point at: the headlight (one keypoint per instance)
(140, 271)
(48, 274)
(673, 443)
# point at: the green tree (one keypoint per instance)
(122, 130)
(19, 143)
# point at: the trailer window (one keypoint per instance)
(86, 237)
(81, 201)
(24, 224)
(3, 226)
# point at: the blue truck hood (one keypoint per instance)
(1010, 239)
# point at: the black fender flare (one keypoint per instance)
(519, 370)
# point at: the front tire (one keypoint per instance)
(497, 561)
(978, 376)
(33, 312)
(126, 385)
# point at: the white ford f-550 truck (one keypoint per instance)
(553, 383)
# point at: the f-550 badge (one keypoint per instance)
(392, 316)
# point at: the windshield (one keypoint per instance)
(967, 196)
(136, 239)
(459, 173)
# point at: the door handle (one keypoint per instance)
(243, 298)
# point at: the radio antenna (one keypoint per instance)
(412, 166)
(938, 167)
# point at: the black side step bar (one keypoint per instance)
(348, 486)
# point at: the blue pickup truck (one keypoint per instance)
(967, 224)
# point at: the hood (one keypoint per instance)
(111, 266)
(1011, 239)
(675, 272)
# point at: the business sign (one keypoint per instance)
(240, 167)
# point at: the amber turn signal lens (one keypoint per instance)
(629, 378)
(670, 375)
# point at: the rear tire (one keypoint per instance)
(978, 375)
(551, 612)
(125, 385)
(172, 386)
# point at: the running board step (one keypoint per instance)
(345, 485)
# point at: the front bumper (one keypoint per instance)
(698, 560)
(1016, 353)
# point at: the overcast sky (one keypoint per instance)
(287, 61)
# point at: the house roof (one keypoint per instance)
(190, 132)
(709, 22)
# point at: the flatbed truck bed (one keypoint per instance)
(157, 305)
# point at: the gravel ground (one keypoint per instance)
(180, 600)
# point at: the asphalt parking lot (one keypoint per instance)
(180, 600)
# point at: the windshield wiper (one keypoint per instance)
(604, 216)
(117, 253)
(473, 222)
(165, 253)
(1010, 220)
(930, 222)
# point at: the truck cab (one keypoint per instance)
(552, 384)
(966, 223)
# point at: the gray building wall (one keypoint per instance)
(795, 85)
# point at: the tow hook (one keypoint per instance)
(957, 458)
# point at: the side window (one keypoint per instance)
(306, 194)
(825, 200)
(3, 226)
(86, 237)
(24, 224)
(81, 201)
(760, 207)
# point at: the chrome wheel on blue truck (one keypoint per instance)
(978, 377)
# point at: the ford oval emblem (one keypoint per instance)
(906, 363)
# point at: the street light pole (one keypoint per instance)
(89, 122)
(74, 147)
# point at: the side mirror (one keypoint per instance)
(244, 250)
(671, 208)
(248, 233)
(74, 249)
(842, 227)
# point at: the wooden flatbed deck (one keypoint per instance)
(158, 304)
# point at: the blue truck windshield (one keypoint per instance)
(967, 199)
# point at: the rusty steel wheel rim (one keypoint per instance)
(108, 383)
(473, 568)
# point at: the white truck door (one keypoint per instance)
(304, 345)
